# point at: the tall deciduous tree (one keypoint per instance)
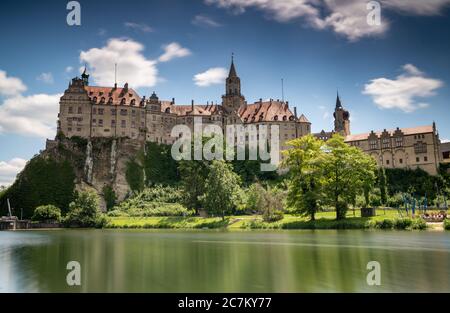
(221, 188)
(305, 161)
(348, 171)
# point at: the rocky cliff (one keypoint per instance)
(97, 163)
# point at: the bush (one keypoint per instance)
(403, 223)
(154, 201)
(419, 223)
(272, 216)
(47, 213)
(110, 197)
(384, 224)
(447, 224)
(84, 211)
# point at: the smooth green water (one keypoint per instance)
(216, 261)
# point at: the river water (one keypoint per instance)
(224, 261)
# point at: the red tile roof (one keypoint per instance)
(266, 111)
(113, 96)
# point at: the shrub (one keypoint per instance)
(447, 224)
(84, 211)
(47, 213)
(384, 224)
(273, 216)
(418, 223)
(403, 223)
(110, 197)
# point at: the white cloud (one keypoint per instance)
(139, 26)
(10, 86)
(133, 66)
(46, 78)
(172, 51)
(69, 69)
(403, 91)
(212, 76)
(344, 17)
(10, 169)
(205, 21)
(445, 140)
(33, 115)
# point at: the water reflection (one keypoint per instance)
(199, 261)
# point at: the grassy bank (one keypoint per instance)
(324, 220)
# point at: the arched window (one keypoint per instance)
(123, 101)
(284, 118)
(133, 102)
(167, 110)
(94, 99)
(275, 118)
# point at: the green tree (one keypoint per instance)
(382, 184)
(305, 161)
(134, 176)
(47, 213)
(221, 187)
(43, 181)
(159, 166)
(109, 195)
(348, 171)
(84, 211)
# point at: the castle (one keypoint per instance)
(414, 147)
(91, 111)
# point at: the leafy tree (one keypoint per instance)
(84, 211)
(305, 161)
(193, 177)
(254, 197)
(382, 184)
(43, 181)
(221, 187)
(347, 172)
(134, 176)
(47, 213)
(110, 197)
(272, 204)
(159, 166)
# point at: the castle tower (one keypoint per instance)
(341, 119)
(233, 99)
(85, 77)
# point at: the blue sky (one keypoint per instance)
(394, 74)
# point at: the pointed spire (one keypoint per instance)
(232, 68)
(338, 101)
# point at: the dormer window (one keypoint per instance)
(133, 102)
(102, 100)
(94, 99)
(275, 118)
(123, 101)
(110, 100)
(284, 118)
(167, 110)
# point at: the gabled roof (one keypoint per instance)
(303, 119)
(113, 96)
(265, 112)
(406, 131)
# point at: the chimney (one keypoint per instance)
(173, 100)
(295, 112)
(192, 105)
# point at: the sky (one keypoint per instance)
(395, 73)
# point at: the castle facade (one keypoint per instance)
(413, 147)
(91, 111)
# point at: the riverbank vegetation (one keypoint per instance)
(322, 186)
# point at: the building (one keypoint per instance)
(445, 151)
(415, 147)
(91, 111)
